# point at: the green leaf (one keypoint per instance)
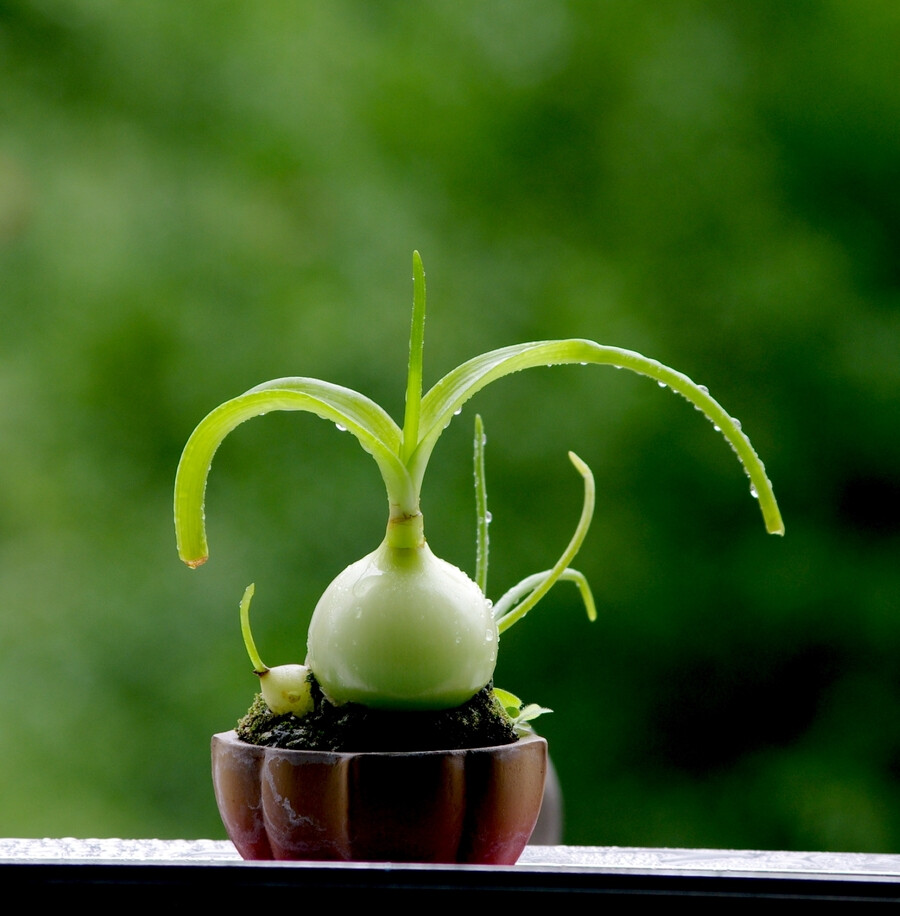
(447, 397)
(363, 412)
(505, 605)
(505, 619)
(509, 701)
(414, 372)
(530, 712)
(519, 715)
(375, 430)
(482, 539)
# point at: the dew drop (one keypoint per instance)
(753, 491)
(704, 389)
(484, 438)
(340, 428)
(488, 517)
(736, 422)
(662, 384)
(717, 428)
(457, 412)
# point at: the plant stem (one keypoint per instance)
(405, 531)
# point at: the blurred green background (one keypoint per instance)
(196, 197)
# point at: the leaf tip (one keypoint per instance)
(580, 465)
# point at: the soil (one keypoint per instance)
(480, 722)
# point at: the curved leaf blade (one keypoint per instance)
(447, 397)
(363, 411)
(368, 422)
(506, 604)
(507, 619)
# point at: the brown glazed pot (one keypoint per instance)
(475, 806)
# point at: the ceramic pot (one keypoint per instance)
(476, 806)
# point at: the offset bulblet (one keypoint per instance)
(286, 688)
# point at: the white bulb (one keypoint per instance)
(402, 629)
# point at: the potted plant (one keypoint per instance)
(391, 742)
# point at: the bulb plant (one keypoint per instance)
(402, 629)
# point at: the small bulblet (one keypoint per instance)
(286, 688)
(402, 629)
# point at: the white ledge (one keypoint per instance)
(145, 869)
(607, 858)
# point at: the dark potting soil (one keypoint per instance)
(478, 723)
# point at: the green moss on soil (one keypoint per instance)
(480, 722)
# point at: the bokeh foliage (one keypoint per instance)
(196, 197)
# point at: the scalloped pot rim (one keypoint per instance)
(470, 806)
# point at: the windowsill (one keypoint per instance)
(79, 865)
